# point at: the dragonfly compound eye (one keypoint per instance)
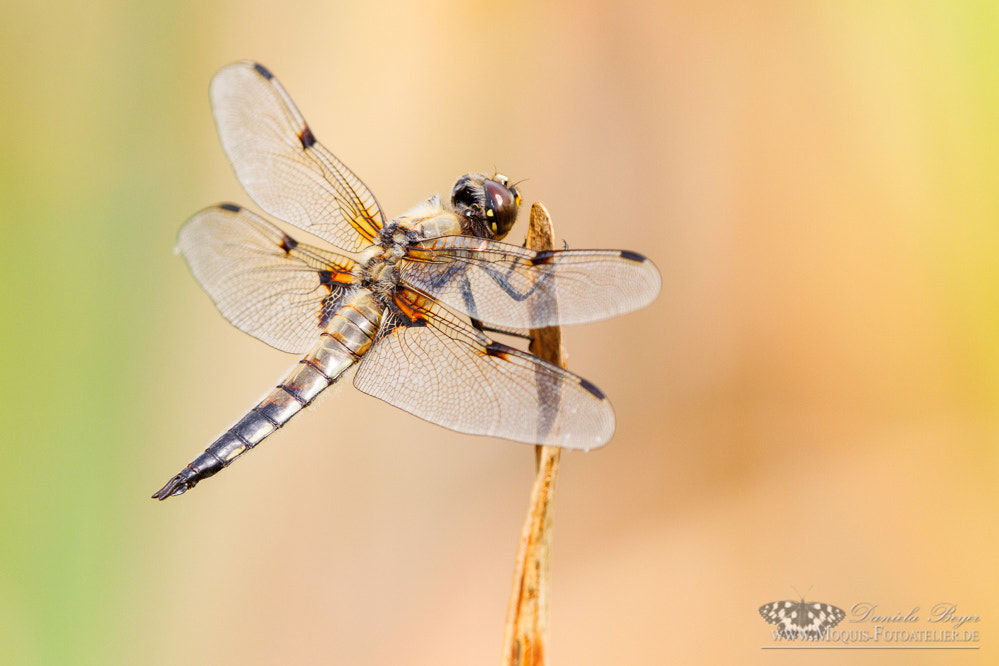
(502, 202)
(487, 206)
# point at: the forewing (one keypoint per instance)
(262, 280)
(434, 365)
(515, 288)
(282, 166)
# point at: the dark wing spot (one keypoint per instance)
(632, 256)
(543, 257)
(288, 243)
(498, 350)
(263, 71)
(330, 277)
(327, 310)
(412, 314)
(306, 137)
(231, 207)
(592, 389)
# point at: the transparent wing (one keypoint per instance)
(512, 287)
(262, 280)
(282, 166)
(435, 366)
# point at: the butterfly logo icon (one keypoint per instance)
(805, 620)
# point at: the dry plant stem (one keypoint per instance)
(525, 641)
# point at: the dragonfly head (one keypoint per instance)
(487, 205)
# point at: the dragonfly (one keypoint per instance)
(409, 303)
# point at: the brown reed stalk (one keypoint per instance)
(525, 641)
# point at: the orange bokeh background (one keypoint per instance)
(810, 405)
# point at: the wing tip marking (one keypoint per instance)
(231, 207)
(263, 71)
(591, 388)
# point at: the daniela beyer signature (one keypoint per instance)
(941, 613)
(868, 624)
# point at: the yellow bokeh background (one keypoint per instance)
(812, 403)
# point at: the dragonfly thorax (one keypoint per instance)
(428, 219)
(379, 268)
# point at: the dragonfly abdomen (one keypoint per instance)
(345, 340)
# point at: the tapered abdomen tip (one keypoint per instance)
(178, 485)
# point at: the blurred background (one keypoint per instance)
(811, 405)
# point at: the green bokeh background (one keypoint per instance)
(813, 400)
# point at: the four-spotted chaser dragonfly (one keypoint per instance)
(410, 304)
